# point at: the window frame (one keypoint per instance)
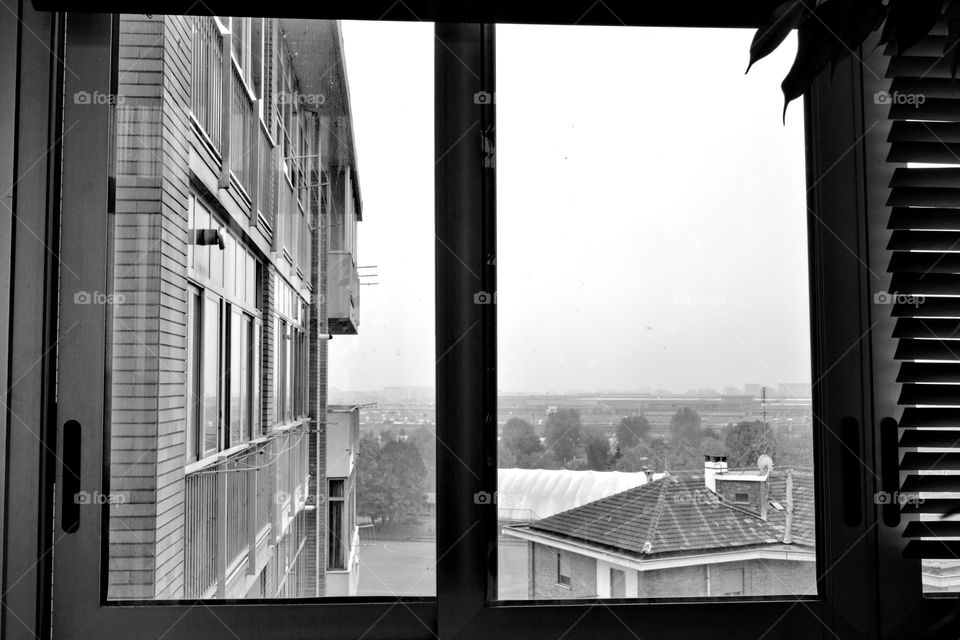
(464, 218)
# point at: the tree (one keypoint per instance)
(563, 434)
(712, 446)
(372, 499)
(747, 441)
(632, 430)
(425, 440)
(598, 451)
(796, 452)
(402, 471)
(520, 445)
(637, 458)
(685, 427)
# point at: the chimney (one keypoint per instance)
(788, 525)
(713, 465)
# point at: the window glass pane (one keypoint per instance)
(236, 377)
(653, 318)
(216, 255)
(201, 252)
(191, 225)
(230, 412)
(211, 375)
(257, 372)
(245, 378)
(229, 264)
(250, 296)
(194, 341)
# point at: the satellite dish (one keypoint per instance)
(765, 463)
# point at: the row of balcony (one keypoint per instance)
(235, 511)
(228, 115)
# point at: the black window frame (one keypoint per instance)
(464, 217)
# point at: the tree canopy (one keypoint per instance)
(563, 434)
(632, 430)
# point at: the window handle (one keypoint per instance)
(71, 497)
(850, 471)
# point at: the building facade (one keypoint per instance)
(234, 263)
(720, 533)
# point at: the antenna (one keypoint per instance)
(762, 440)
(367, 274)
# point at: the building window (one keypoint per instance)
(731, 581)
(193, 373)
(563, 569)
(223, 350)
(741, 498)
(335, 525)
(241, 376)
(211, 375)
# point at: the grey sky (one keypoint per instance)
(651, 223)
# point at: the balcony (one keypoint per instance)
(235, 510)
(347, 581)
(343, 293)
(343, 438)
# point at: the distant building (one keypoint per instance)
(795, 389)
(525, 495)
(752, 389)
(717, 533)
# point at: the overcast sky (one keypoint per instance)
(651, 211)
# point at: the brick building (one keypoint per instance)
(237, 198)
(719, 533)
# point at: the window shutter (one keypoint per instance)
(925, 287)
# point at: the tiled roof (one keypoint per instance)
(679, 515)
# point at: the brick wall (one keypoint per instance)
(755, 491)
(760, 577)
(583, 574)
(673, 583)
(149, 332)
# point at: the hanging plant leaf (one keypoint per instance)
(785, 18)
(951, 47)
(908, 21)
(856, 19)
(816, 47)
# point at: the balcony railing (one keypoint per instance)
(343, 293)
(207, 81)
(242, 118)
(231, 504)
(266, 173)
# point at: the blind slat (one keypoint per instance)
(906, 218)
(926, 262)
(924, 484)
(929, 528)
(936, 394)
(915, 461)
(933, 549)
(939, 328)
(913, 349)
(929, 372)
(924, 197)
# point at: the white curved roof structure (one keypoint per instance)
(524, 495)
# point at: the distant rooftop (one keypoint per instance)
(678, 515)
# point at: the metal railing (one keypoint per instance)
(242, 148)
(206, 82)
(230, 503)
(266, 173)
